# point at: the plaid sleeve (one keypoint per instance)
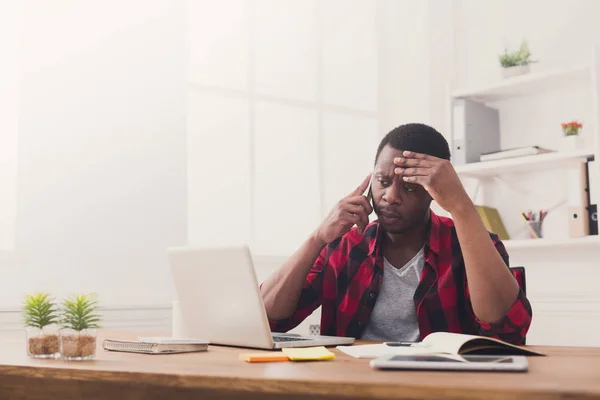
(310, 297)
(514, 325)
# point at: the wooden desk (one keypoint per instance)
(218, 373)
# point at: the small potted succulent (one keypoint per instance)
(571, 133)
(79, 321)
(517, 62)
(40, 316)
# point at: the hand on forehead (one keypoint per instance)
(390, 157)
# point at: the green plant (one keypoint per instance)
(519, 57)
(39, 310)
(79, 312)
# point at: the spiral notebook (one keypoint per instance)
(155, 345)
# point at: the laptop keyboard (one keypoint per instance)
(287, 338)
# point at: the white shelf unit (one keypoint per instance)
(533, 163)
(554, 244)
(526, 85)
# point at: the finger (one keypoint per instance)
(362, 201)
(412, 162)
(413, 171)
(366, 204)
(357, 209)
(357, 215)
(348, 220)
(420, 180)
(347, 224)
(420, 156)
(361, 220)
(362, 187)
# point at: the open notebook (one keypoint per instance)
(155, 345)
(441, 343)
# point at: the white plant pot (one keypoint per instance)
(515, 71)
(573, 142)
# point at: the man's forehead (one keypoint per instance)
(388, 152)
(385, 161)
(384, 167)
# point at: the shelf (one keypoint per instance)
(539, 162)
(524, 85)
(546, 244)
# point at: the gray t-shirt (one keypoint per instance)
(394, 317)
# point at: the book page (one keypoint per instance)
(446, 342)
(379, 350)
(459, 343)
(437, 343)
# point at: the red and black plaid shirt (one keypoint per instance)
(346, 279)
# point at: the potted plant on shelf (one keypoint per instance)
(79, 323)
(571, 133)
(517, 62)
(40, 316)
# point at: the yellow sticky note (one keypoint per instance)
(308, 353)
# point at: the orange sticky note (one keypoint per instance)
(264, 357)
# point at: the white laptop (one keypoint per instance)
(220, 300)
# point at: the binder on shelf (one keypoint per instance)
(577, 199)
(475, 130)
(492, 221)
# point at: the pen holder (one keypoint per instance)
(534, 229)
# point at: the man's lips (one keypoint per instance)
(390, 215)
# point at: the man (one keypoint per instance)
(409, 273)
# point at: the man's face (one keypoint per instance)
(400, 206)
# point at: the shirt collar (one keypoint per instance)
(432, 243)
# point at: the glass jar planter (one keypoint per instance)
(43, 343)
(78, 345)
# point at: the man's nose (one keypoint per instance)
(393, 193)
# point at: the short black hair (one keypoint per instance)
(416, 137)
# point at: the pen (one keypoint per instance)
(524, 216)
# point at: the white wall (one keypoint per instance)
(101, 150)
(10, 30)
(561, 282)
(405, 65)
(292, 112)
